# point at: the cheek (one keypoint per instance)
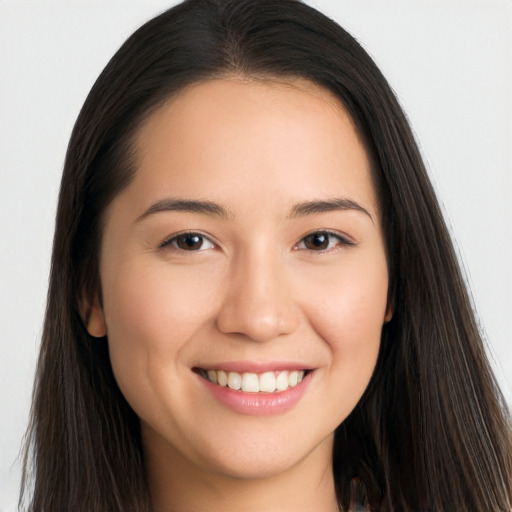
(348, 315)
(349, 303)
(148, 301)
(151, 312)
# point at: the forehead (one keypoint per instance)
(217, 137)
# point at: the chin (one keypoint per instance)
(263, 456)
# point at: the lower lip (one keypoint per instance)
(258, 404)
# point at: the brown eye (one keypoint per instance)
(322, 241)
(189, 242)
(317, 241)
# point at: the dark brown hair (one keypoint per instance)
(430, 432)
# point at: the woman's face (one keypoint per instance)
(248, 248)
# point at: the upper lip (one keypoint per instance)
(254, 366)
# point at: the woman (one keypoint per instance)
(254, 302)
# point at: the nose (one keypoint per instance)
(258, 303)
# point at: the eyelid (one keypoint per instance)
(342, 240)
(168, 241)
(340, 237)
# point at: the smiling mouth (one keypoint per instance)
(267, 382)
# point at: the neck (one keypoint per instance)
(177, 485)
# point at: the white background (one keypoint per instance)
(449, 61)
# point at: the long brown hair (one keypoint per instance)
(431, 431)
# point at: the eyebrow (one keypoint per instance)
(330, 205)
(210, 208)
(187, 205)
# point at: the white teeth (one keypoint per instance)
(234, 380)
(282, 381)
(222, 378)
(267, 382)
(250, 383)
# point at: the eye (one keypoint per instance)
(322, 241)
(188, 242)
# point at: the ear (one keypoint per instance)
(390, 309)
(389, 314)
(93, 317)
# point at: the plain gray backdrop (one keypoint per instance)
(449, 61)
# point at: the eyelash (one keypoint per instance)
(171, 242)
(341, 240)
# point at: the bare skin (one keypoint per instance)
(250, 235)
